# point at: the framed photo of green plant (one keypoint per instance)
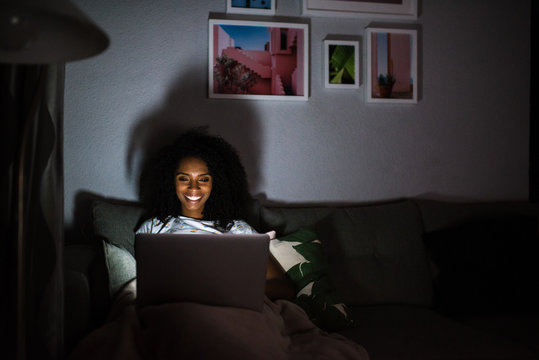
(391, 65)
(341, 64)
(258, 60)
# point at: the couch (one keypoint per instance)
(422, 279)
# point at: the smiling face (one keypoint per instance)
(193, 186)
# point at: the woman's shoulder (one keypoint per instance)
(150, 226)
(241, 227)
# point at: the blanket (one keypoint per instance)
(187, 330)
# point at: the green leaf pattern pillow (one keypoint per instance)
(300, 254)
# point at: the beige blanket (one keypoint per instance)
(196, 331)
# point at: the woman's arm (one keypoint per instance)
(278, 286)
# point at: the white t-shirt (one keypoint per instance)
(187, 225)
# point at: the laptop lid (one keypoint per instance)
(224, 269)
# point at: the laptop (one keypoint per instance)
(213, 269)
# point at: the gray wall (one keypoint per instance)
(466, 139)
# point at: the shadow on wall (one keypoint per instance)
(186, 106)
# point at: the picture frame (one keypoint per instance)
(258, 60)
(341, 64)
(253, 7)
(376, 9)
(391, 65)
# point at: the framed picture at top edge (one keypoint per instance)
(341, 64)
(258, 60)
(373, 9)
(260, 7)
(391, 65)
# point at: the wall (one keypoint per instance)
(467, 138)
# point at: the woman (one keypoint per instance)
(198, 184)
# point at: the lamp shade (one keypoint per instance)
(47, 31)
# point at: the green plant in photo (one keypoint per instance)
(233, 77)
(341, 64)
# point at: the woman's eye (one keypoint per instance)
(204, 180)
(183, 179)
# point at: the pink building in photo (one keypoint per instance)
(276, 70)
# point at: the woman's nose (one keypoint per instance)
(193, 184)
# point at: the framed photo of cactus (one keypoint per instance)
(258, 60)
(341, 64)
(391, 65)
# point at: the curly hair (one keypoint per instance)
(229, 197)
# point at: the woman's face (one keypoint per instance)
(193, 186)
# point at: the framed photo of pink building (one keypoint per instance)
(391, 65)
(258, 60)
(372, 9)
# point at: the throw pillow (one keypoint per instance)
(121, 267)
(376, 254)
(300, 255)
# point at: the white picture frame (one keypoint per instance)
(391, 52)
(252, 7)
(404, 10)
(271, 58)
(341, 64)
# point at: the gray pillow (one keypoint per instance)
(121, 267)
(376, 254)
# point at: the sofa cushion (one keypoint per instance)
(300, 254)
(391, 332)
(376, 254)
(486, 265)
(519, 326)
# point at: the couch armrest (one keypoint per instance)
(77, 307)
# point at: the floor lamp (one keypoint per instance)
(37, 32)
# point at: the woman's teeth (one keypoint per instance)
(193, 198)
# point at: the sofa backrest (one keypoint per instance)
(375, 251)
(376, 254)
(286, 220)
(438, 215)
